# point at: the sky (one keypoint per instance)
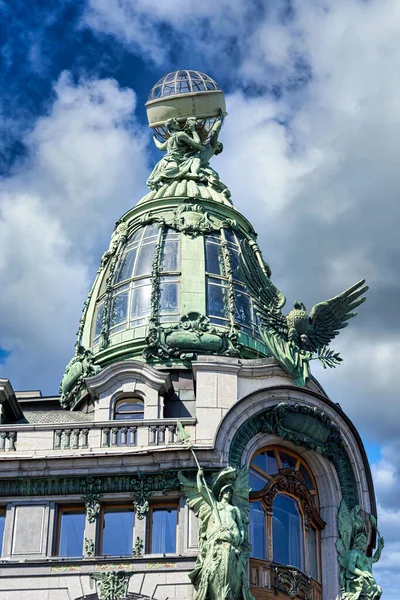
(311, 151)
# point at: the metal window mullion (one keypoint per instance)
(105, 321)
(156, 277)
(226, 258)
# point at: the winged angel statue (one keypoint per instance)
(223, 513)
(356, 579)
(295, 338)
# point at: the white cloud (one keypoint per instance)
(86, 166)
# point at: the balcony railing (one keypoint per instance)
(270, 581)
(101, 436)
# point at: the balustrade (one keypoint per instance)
(39, 439)
(65, 439)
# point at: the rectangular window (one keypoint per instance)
(117, 534)
(71, 527)
(164, 522)
(2, 524)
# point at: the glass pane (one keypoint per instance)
(216, 300)
(71, 533)
(307, 478)
(169, 298)
(242, 308)
(257, 531)
(287, 532)
(256, 481)
(125, 268)
(267, 462)
(163, 530)
(141, 304)
(213, 259)
(288, 461)
(119, 309)
(230, 236)
(99, 318)
(135, 238)
(235, 265)
(2, 524)
(131, 411)
(145, 259)
(151, 230)
(118, 532)
(170, 255)
(312, 551)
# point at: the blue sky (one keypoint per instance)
(311, 151)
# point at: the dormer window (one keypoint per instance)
(129, 409)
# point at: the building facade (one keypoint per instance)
(182, 335)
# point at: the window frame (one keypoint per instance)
(315, 522)
(162, 505)
(135, 281)
(100, 528)
(60, 510)
(126, 399)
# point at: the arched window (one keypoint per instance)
(284, 512)
(129, 409)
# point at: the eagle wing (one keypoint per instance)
(326, 318)
(256, 278)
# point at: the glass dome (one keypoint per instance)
(182, 82)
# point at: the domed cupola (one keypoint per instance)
(183, 275)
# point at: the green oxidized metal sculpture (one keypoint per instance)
(223, 512)
(188, 156)
(356, 579)
(295, 338)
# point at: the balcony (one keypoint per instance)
(85, 438)
(270, 581)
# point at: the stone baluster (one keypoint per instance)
(161, 434)
(106, 440)
(3, 436)
(67, 438)
(171, 434)
(114, 436)
(75, 439)
(85, 437)
(124, 435)
(57, 439)
(152, 435)
(132, 436)
(12, 436)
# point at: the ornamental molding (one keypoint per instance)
(193, 335)
(131, 369)
(291, 482)
(292, 582)
(303, 425)
(92, 494)
(112, 585)
(140, 485)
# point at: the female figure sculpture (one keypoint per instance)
(186, 154)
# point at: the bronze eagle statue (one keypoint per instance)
(294, 338)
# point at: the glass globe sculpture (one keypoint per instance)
(182, 94)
